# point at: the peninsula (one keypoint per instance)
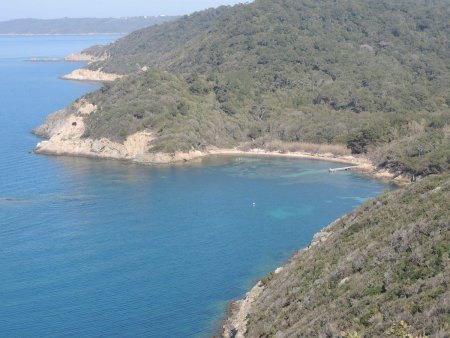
(273, 72)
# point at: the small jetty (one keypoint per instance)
(333, 170)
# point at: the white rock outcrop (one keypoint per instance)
(65, 129)
(83, 74)
(236, 324)
(83, 57)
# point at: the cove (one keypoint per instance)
(104, 248)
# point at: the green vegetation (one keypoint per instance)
(80, 25)
(369, 74)
(163, 103)
(425, 153)
(383, 271)
(373, 76)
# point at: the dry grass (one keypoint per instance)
(295, 147)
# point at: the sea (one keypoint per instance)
(103, 248)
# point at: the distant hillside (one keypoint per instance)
(80, 25)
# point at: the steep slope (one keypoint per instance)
(337, 47)
(384, 263)
(364, 73)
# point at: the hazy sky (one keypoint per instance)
(48, 9)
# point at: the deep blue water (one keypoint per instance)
(93, 248)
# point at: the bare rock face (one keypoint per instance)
(367, 48)
(83, 57)
(65, 129)
(53, 122)
(91, 75)
(236, 324)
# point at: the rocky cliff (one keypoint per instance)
(91, 75)
(64, 131)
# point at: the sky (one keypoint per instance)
(50, 9)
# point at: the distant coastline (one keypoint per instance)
(79, 26)
(60, 34)
(46, 60)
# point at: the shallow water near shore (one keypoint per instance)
(105, 248)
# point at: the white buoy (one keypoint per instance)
(254, 204)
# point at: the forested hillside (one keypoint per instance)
(374, 75)
(80, 25)
(382, 272)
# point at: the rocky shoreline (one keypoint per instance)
(64, 131)
(83, 57)
(235, 325)
(83, 74)
(74, 57)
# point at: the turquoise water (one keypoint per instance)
(95, 248)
